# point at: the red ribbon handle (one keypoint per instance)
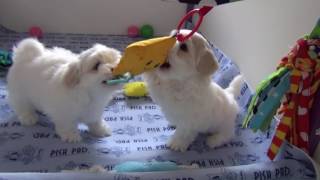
(202, 12)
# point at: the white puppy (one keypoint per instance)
(189, 99)
(68, 87)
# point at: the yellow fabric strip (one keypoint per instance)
(281, 135)
(274, 148)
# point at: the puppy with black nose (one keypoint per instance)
(70, 88)
(189, 99)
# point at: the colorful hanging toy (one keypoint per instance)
(289, 92)
(146, 55)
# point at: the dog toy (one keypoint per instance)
(135, 89)
(295, 82)
(36, 32)
(146, 31)
(133, 31)
(136, 166)
(146, 55)
(5, 59)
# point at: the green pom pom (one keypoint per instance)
(146, 31)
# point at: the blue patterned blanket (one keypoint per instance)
(140, 132)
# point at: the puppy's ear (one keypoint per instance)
(207, 63)
(72, 75)
(85, 54)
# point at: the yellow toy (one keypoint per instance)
(135, 89)
(144, 55)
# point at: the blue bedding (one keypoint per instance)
(140, 132)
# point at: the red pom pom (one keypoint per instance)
(133, 31)
(36, 32)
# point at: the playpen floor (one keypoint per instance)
(140, 133)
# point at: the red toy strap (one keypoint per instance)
(202, 12)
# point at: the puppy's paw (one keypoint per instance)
(178, 144)
(100, 129)
(28, 118)
(71, 136)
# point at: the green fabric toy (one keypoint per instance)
(267, 100)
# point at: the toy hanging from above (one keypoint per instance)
(146, 55)
(290, 90)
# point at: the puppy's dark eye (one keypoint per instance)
(184, 47)
(96, 66)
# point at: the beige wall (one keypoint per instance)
(90, 16)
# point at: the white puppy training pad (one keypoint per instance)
(140, 133)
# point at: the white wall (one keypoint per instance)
(257, 33)
(90, 16)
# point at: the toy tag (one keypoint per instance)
(315, 34)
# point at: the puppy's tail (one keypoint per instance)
(235, 86)
(27, 50)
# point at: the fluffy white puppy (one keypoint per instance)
(189, 99)
(68, 87)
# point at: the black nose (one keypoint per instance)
(165, 65)
(184, 47)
